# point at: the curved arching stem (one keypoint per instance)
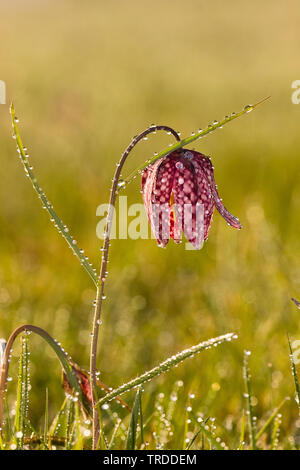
(103, 270)
(61, 354)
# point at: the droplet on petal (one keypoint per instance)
(180, 195)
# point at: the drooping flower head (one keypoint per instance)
(180, 195)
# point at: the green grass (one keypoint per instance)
(155, 427)
(81, 93)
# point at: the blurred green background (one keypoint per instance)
(87, 76)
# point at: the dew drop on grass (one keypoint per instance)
(121, 184)
(248, 108)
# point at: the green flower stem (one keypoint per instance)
(103, 272)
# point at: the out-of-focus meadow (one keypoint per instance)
(87, 76)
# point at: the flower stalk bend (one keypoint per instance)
(103, 272)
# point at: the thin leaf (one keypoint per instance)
(275, 433)
(61, 227)
(248, 397)
(112, 439)
(22, 394)
(186, 427)
(61, 354)
(46, 419)
(26, 381)
(195, 136)
(271, 418)
(59, 426)
(215, 444)
(242, 436)
(78, 445)
(141, 416)
(115, 418)
(18, 416)
(132, 430)
(70, 424)
(193, 439)
(166, 366)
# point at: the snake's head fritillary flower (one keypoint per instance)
(180, 195)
